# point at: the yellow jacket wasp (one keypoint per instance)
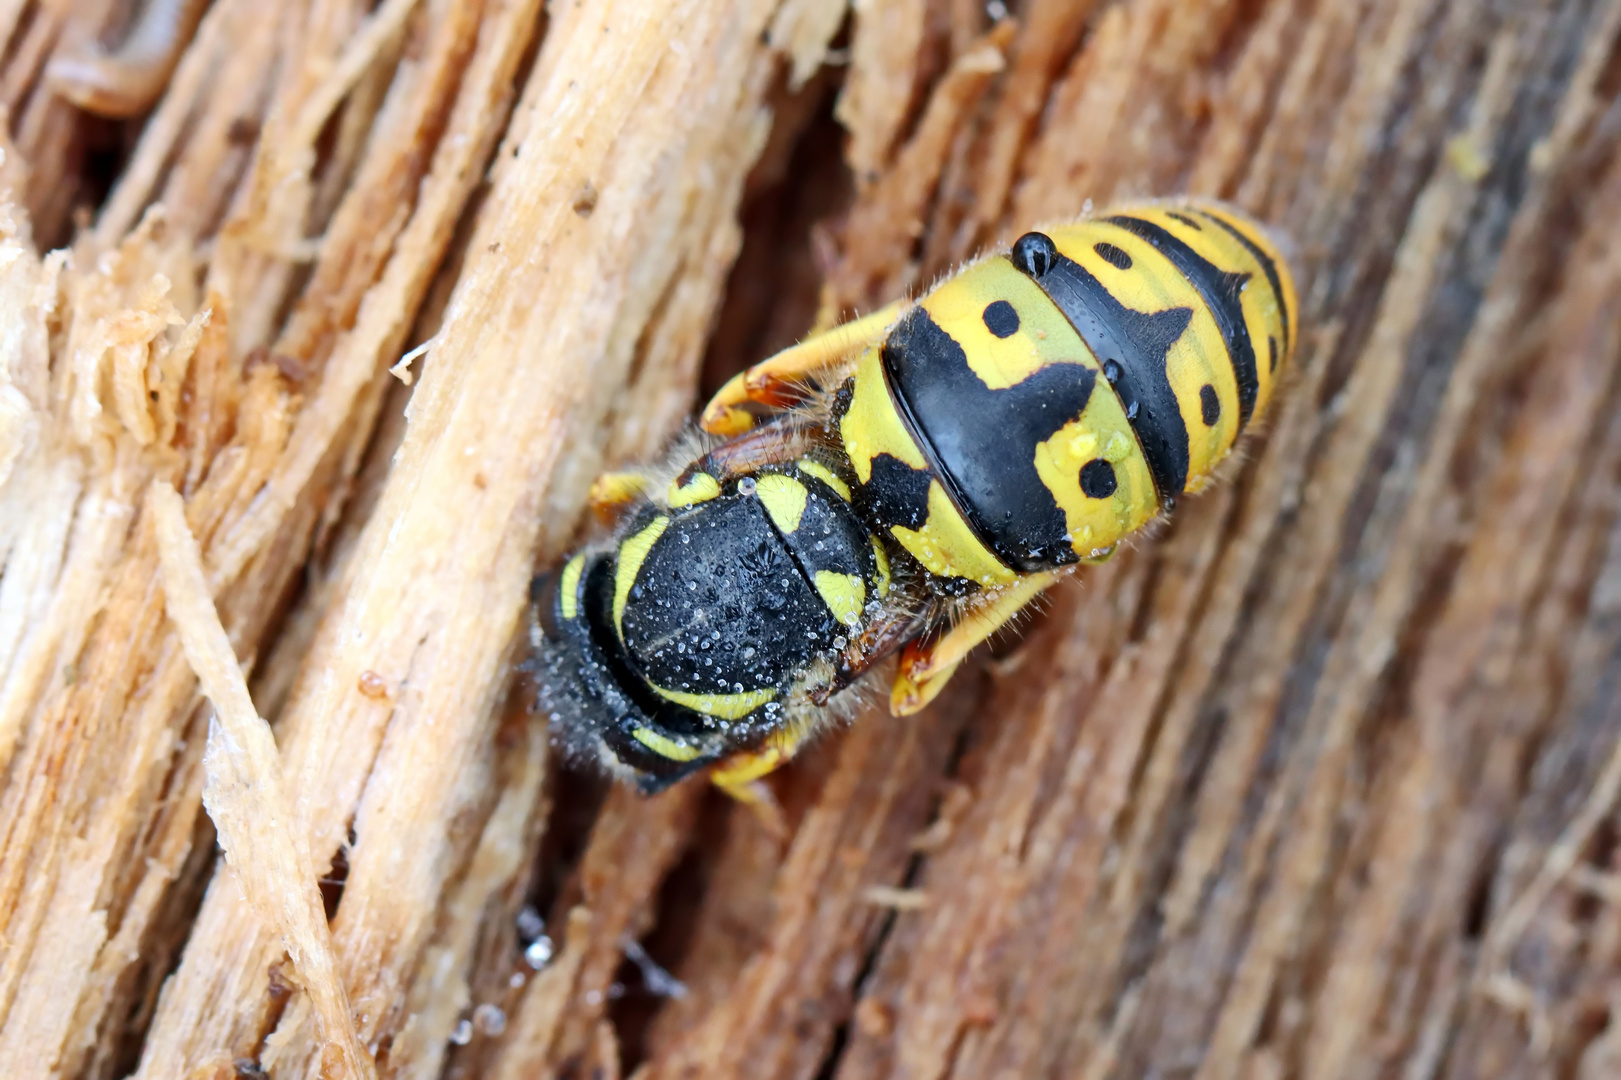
(906, 483)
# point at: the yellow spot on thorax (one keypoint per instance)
(826, 475)
(568, 587)
(724, 706)
(844, 594)
(881, 557)
(664, 746)
(632, 553)
(784, 499)
(700, 488)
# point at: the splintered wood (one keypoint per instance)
(1320, 781)
(245, 794)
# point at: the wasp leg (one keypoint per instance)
(740, 776)
(926, 666)
(783, 439)
(775, 382)
(613, 491)
(869, 649)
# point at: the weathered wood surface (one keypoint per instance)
(1321, 781)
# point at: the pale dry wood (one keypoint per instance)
(198, 141)
(886, 52)
(246, 793)
(801, 30)
(639, 846)
(1048, 31)
(883, 229)
(407, 611)
(73, 516)
(544, 1005)
(141, 904)
(125, 81)
(777, 1014)
(440, 996)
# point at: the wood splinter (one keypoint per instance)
(129, 80)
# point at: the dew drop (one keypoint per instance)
(539, 952)
(490, 1019)
(529, 924)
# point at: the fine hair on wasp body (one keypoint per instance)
(904, 485)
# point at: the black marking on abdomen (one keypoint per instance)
(1220, 290)
(1001, 319)
(1184, 219)
(1097, 479)
(1132, 347)
(1268, 267)
(897, 494)
(982, 442)
(1209, 405)
(1112, 255)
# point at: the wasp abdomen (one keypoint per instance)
(983, 440)
(1060, 396)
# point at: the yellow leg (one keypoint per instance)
(774, 382)
(926, 666)
(740, 776)
(613, 491)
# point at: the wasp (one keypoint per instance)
(903, 485)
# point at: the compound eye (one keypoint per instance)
(543, 594)
(1034, 254)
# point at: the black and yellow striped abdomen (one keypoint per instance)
(1039, 406)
